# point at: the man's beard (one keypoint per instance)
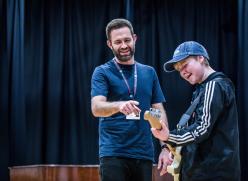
(123, 58)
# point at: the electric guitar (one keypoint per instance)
(153, 117)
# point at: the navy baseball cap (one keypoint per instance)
(183, 51)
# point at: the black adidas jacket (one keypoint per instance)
(211, 140)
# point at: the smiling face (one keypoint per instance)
(122, 43)
(192, 69)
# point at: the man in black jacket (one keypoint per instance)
(211, 139)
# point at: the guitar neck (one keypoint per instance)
(154, 122)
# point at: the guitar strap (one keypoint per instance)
(186, 116)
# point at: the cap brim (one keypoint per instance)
(169, 66)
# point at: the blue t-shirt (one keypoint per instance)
(119, 136)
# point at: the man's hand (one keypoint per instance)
(165, 159)
(102, 108)
(162, 134)
(128, 107)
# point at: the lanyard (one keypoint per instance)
(125, 80)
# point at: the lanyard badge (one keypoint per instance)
(125, 80)
(132, 115)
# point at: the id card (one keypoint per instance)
(133, 116)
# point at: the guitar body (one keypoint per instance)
(174, 168)
(153, 117)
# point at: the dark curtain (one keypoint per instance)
(16, 87)
(163, 25)
(64, 41)
(242, 66)
(49, 50)
(4, 115)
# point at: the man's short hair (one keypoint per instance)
(116, 24)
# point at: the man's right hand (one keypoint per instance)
(102, 108)
(128, 107)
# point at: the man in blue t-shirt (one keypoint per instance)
(122, 90)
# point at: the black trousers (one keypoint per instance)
(125, 169)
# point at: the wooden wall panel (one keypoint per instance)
(65, 173)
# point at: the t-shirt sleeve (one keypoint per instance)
(99, 84)
(157, 93)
